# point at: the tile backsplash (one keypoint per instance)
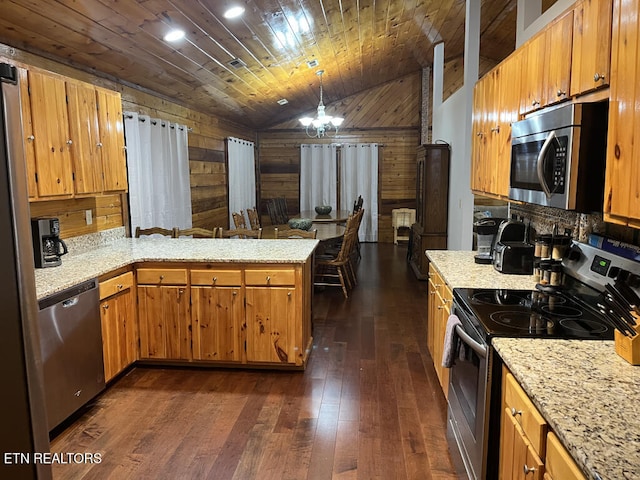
(543, 220)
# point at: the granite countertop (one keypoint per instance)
(589, 396)
(97, 261)
(460, 271)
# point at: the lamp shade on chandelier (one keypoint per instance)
(322, 124)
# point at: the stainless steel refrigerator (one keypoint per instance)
(23, 425)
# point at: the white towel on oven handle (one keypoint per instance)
(453, 346)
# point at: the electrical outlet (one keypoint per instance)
(88, 216)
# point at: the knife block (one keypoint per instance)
(628, 347)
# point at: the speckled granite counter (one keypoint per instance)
(83, 266)
(460, 271)
(589, 396)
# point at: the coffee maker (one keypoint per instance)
(486, 230)
(48, 247)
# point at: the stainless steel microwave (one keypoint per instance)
(558, 157)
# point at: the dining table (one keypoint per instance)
(326, 232)
(334, 216)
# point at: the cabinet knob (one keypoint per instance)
(119, 286)
(440, 307)
(432, 292)
(106, 306)
(161, 277)
(99, 144)
(69, 142)
(235, 293)
(560, 93)
(515, 412)
(288, 294)
(31, 138)
(268, 278)
(535, 103)
(598, 76)
(215, 279)
(496, 129)
(479, 134)
(527, 470)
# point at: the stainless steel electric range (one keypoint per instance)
(580, 308)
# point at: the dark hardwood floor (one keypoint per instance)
(368, 405)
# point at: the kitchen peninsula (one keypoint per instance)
(224, 301)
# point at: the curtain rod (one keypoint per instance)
(155, 122)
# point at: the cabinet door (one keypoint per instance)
(27, 131)
(165, 324)
(216, 315)
(270, 324)
(508, 105)
(590, 65)
(51, 134)
(533, 61)
(558, 59)
(83, 129)
(432, 314)
(119, 333)
(479, 136)
(622, 181)
(114, 162)
(518, 460)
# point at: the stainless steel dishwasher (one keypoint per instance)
(71, 344)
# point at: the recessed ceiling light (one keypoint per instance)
(174, 35)
(283, 101)
(234, 12)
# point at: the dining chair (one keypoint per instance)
(337, 271)
(153, 230)
(240, 233)
(238, 219)
(196, 232)
(295, 233)
(281, 209)
(254, 218)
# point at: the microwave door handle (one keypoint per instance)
(540, 164)
(481, 350)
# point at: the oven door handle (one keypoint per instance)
(540, 163)
(481, 350)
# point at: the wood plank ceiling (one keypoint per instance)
(359, 44)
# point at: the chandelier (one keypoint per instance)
(322, 124)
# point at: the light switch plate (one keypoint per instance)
(88, 216)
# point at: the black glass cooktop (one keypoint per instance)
(527, 313)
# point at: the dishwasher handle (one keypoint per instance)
(72, 302)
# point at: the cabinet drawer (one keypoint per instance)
(525, 413)
(116, 284)
(558, 462)
(270, 277)
(161, 276)
(224, 278)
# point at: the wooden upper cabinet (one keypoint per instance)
(558, 59)
(47, 98)
(532, 95)
(114, 162)
(590, 66)
(83, 128)
(27, 132)
(622, 180)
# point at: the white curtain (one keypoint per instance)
(158, 168)
(242, 176)
(318, 176)
(359, 176)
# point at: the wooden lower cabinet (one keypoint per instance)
(217, 315)
(439, 309)
(119, 326)
(527, 449)
(245, 314)
(164, 314)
